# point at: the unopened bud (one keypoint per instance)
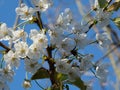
(26, 84)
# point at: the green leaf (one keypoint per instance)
(49, 88)
(61, 77)
(80, 84)
(117, 21)
(40, 74)
(114, 7)
(102, 3)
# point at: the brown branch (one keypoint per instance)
(5, 47)
(39, 21)
(51, 65)
(49, 52)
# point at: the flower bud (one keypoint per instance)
(26, 84)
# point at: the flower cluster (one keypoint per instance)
(66, 38)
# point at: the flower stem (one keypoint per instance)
(1, 62)
(17, 17)
(39, 21)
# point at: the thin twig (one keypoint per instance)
(109, 52)
(107, 5)
(4, 46)
(113, 34)
(80, 7)
(17, 17)
(1, 63)
(117, 71)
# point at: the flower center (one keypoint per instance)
(27, 13)
(41, 40)
(22, 51)
(13, 59)
(61, 66)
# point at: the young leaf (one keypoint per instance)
(61, 77)
(102, 3)
(114, 7)
(40, 74)
(80, 84)
(117, 21)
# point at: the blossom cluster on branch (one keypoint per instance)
(59, 45)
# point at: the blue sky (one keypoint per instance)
(7, 15)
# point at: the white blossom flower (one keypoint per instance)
(21, 48)
(103, 18)
(4, 86)
(85, 63)
(96, 4)
(19, 34)
(12, 59)
(62, 66)
(39, 38)
(82, 40)
(26, 84)
(103, 40)
(102, 72)
(34, 53)
(89, 84)
(4, 32)
(67, 45)
(73, 74)
(65, 18)
(43, 4)
(55, 36)
(25, 12)
(33, 34)
(6, 73)
(63, 53)
(32, 65)
(79, 28)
